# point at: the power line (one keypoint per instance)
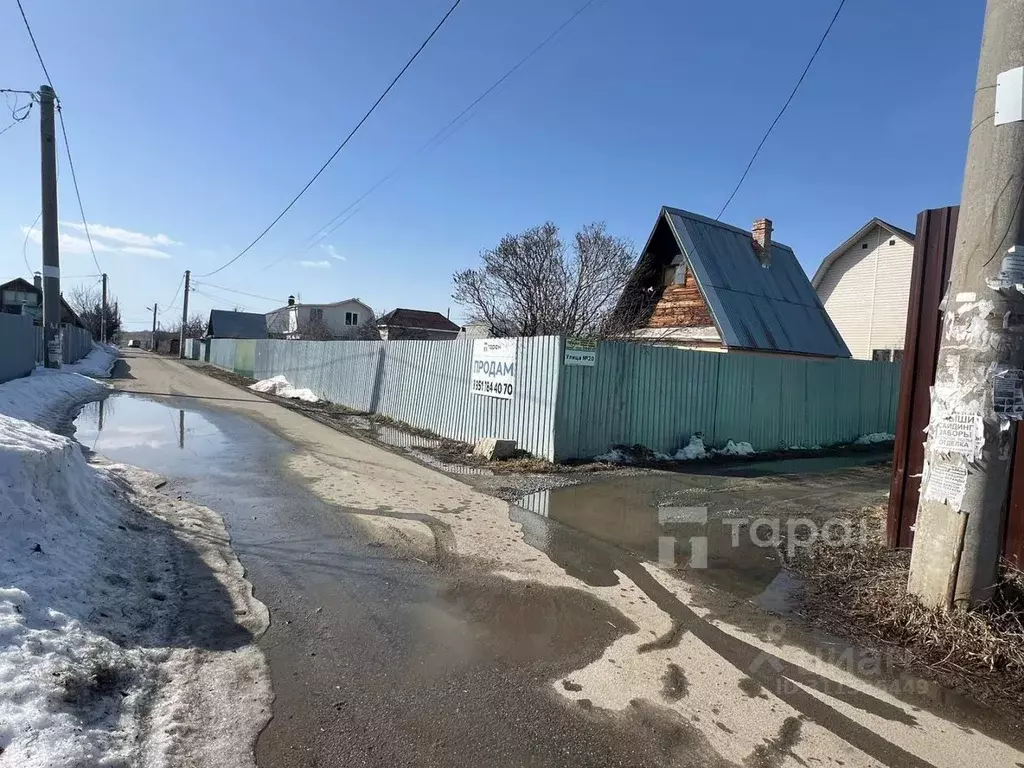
(74, 181)
(783, 110)
(232, 290)
(63, 130)
(325, 232)
(221, 299)
(340, 146)
(24, 245)
(34, 45)
(170, 304)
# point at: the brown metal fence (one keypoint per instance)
(933, 257)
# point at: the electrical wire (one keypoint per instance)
(34, 45)
(783, 110)
(78, 194)
(325, 231)
(24, 245)
(176, 292)
(340, 146)
(223, 300)
(243, 293)
(63, 130)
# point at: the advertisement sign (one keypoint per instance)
(494, 368)
(580, 352)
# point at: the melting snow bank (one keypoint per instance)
(99, 362)
(126, 623)
(278, 385)
(695, 449)
(874, 437)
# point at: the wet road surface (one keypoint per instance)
(376, 658)
(380, 657)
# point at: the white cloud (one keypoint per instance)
(72, 244)
(149, 253)
(332, 252)
(68, 243)
(125, 236)
(315, 264)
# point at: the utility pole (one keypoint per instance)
(103, 313)
(972, 427)
(184, 317)
(51, 247)
(154, 327)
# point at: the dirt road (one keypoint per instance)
(414, 622)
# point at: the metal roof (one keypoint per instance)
(225, 324)
(770, 309)
(417, 318)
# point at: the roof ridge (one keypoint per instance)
(716, 223)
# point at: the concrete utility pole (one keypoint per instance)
(184, 316)
(103, 314)
(51, 248)
(975, 405)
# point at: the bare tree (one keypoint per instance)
(532, 285)
(88, 305)
(195, 327)
(315, 330)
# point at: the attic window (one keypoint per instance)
(893, 241)
(674, 275)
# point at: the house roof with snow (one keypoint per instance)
(760, 302)
(225, 324)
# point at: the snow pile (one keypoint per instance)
(100, 660)
(46, 395)
(874, 437)
(278, 385)
(736, 449)
(99, 362)
(615, 456)
(69, 693)
(693, 450)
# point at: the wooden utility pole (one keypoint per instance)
(154, 327)
(184, 316)
(976, 399)
(51, 248)
(103, 313)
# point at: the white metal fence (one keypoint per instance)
(423, 383)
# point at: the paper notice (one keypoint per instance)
(947, 483)
(1008, 394)
(961, 433)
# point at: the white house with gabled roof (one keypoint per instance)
(864, 285)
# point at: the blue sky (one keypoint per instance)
(193, 123)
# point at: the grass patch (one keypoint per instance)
(859, 591)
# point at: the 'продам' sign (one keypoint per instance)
(494, 368)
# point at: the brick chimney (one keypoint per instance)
(762, 234)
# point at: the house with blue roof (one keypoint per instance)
(703, 284)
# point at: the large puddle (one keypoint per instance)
(155, 436)
(719, 529)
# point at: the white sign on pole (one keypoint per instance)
(494, 368)
(580, 352)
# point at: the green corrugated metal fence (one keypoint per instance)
(660, 396)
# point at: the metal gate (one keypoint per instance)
(933, 258)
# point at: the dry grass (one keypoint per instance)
(860, 591)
